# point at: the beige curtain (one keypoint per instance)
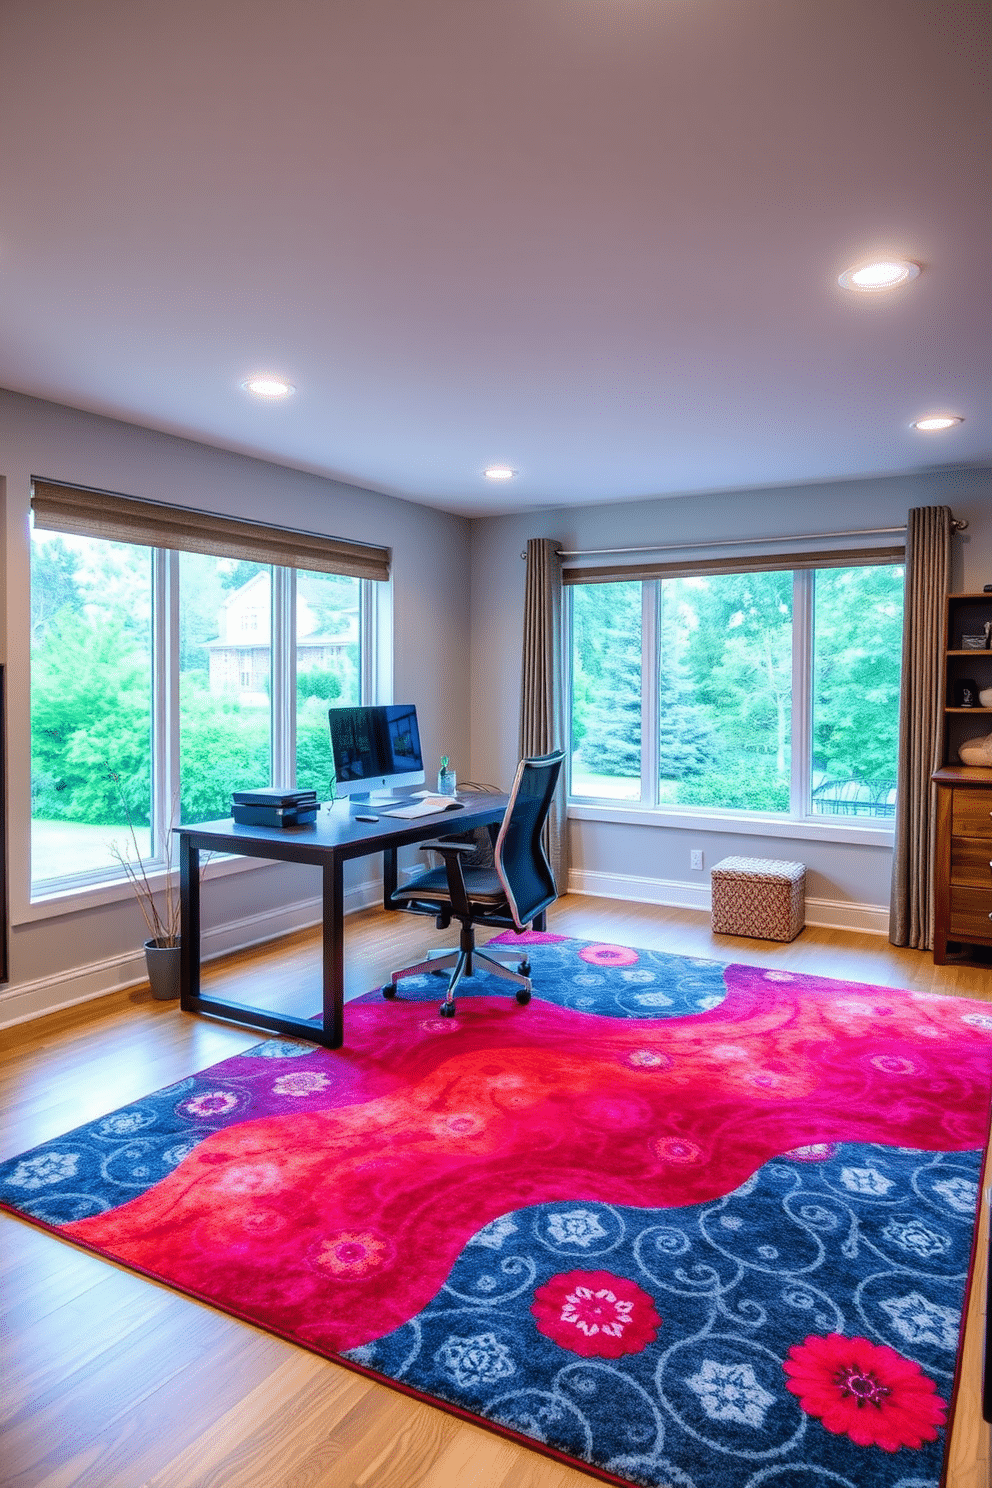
(921, 725)
(542, 689)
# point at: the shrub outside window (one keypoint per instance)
(159, 683)
(91, 704)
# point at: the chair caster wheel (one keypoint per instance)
(523, 997)
(447, 1010)
(389, 990)
(524, 968)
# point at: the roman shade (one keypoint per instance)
(765, 563)
(88, 513)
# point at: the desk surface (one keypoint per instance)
(336, 832)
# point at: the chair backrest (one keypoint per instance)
(521, 862)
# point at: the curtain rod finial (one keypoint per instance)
(959, 524)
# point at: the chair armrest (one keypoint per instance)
(451, 853)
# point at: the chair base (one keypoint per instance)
(461, 965)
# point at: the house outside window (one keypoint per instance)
(762, 692)
(149, 702)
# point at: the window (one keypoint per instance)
(758, 691)
(328, 667)
(161, 677)
(606, 691)
(91, 704)
(225, 710)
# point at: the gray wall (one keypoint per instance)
(848, 884)
(58, 960)
(452, 578)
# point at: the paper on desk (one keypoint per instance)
(427, 806)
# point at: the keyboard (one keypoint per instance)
(429, 806)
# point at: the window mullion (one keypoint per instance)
(568, 645)
(282, 670)
(650, 662)
(800, 781)
(165, 803)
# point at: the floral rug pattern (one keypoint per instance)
(677, 1223)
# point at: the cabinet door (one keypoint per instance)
(971, 914)
(972, 813)
(971, 862)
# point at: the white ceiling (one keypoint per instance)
(595, 239)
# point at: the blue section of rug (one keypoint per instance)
(612, 980)
(856, 1240)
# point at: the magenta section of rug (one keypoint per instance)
(337, 1222)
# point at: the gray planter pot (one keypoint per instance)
(163, 970)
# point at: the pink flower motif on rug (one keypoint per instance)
(648, 1059)
(777, 1084)
(866, 1391)
(609, 955)
(595, 1313)
(351, 1255)
(210, 1103)
(678, 1150)
(893, 1064)
(302, 1084)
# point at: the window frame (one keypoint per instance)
(107, 884)
(799, 821)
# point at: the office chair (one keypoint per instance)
(511, 894)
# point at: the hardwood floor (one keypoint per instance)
(111, 1381)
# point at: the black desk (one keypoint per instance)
(328, 844)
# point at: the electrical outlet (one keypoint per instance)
(696, 860)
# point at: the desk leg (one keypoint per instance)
(333, 883)
(189, 924)
(388, 877)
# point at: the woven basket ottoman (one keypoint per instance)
(760, 897)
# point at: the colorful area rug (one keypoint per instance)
(674, 1222)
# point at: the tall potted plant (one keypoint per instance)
(159, 910)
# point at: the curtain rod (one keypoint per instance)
(957, 525)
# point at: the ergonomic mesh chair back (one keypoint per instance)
(520, 859)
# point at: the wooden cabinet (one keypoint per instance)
(963, 865)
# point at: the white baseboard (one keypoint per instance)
(25, 1000)
(827, 914)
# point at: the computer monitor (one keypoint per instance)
(375, 749)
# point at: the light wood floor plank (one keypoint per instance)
(115, 1382)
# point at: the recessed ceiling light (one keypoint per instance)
(936, 422)
(266, 385)
(887, 273)
(499, 472)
